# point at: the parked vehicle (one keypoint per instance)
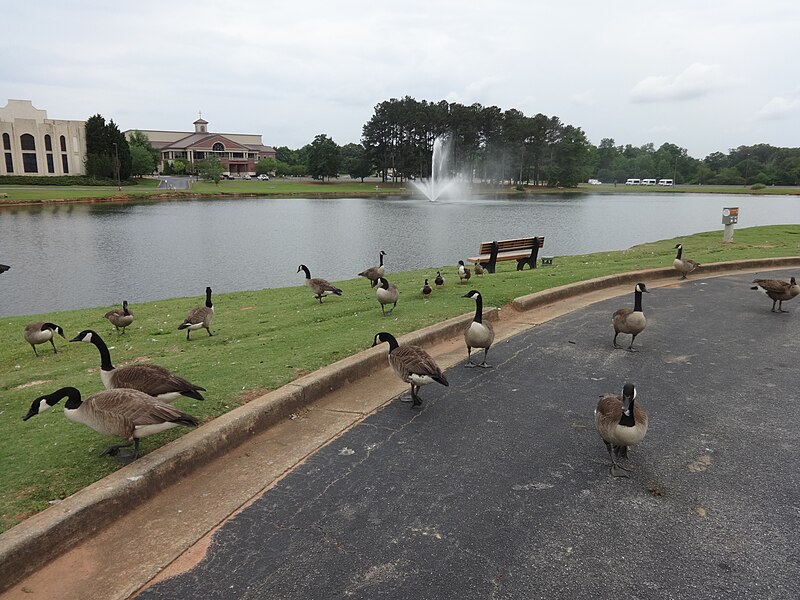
(648, 181)
(665, 182)
(246, 176)
(263, 177)
(595, 182)
(633, 182)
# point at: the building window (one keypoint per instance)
(51, 167)
(9, 163)
(218, 147)
(48, 143)
(63, 142)
(29, 162)
(64, 163)
(6, 141)
(199, 155)
(27, 142)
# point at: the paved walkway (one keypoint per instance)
(499, 487)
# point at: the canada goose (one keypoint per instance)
(412, 364)
(426, 290)
(4, 268)
(684, 266)
(463, 272)
(630, 320)
(386, 293)
(320, 287)
(478, 334)
(374, 272)
(199, 317)
(120, 317)
(779, 291)
(439, 281)
(148, 378)
(620, 424)
(39, 333)
(129, 414)
(478, 268)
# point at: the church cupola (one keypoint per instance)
(201, 125)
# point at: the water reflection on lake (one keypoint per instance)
(80, 255)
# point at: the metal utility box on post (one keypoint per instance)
(730, 216)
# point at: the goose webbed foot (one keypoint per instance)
(619, 471)
(632, 349)
(485, 365)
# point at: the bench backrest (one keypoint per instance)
(511, 245)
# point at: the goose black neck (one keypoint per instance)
(105, 355)
(125, 310)
(72, 395)
(628, 420)
(208, 298)
(381, 257)
(478, 309)
(306, 271)
(392, 341)
(680, 252)
(637, 301)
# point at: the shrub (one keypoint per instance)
(757, 186)
(58, 180)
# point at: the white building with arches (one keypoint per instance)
(32, 144)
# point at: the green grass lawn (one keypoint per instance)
(264, 339)
(36, 193)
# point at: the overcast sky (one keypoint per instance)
(705, 75)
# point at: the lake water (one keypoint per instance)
(81, 255)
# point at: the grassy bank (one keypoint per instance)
(264, 339)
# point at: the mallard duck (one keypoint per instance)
(412, 364)
(478, 334)
(199, 317)
(153, 380)
(684, 266)
(386, 293)
(630, 320)
(374, 272)
(463, 272)
(319, 287)
(121, 317)
(778, 290)
(478, 268)
(426, 290)
(39, 333)
(439, 281)
(620, 423)
(129, 414)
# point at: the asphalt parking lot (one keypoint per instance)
(499, 486)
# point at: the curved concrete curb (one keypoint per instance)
(52, 532)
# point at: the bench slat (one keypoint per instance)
(514, 249)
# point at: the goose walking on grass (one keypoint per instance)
(129, 414)
(778, 290)
(621, 423)
(199, 318)
(439, 281)
(120, 317)
(684, 266)
(319, 287)
(426, 290)
(411, 364)
(153, 380)
(478, 334)
(630, 320)
(39, 333)
(374, 272)
(463, 272)
(387, 294)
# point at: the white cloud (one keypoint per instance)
(778, 108)
(696, 81)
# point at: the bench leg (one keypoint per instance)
(492, 264)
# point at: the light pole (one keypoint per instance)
(675, 171)
(116, 165)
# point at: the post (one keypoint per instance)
(730, 216)
(116, 165)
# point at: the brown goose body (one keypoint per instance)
(200, 317)
(120, 318)
(621, 423)
(373, 273)
(386, 293)
(684, 266)
(478, 334)
(319, 287)
(463, 272)
(126, 413)
(478, 268)
(779, 291)
(412, 364)
(41, 332)
(630, 320)
(153, 380)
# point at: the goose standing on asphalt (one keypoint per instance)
(151, 379)
(426, 290)
(620, 423)
(630, 320)
(120, 317)
(39, 333)
(684, 266)
(412, 364)
(463, 272)
(778, 290)
(199, 317)
(374, 272)
(319, 287)
(129, 414)
(386, 293)
(478, 334)
(439, 281)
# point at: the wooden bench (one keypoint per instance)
(524, 250)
